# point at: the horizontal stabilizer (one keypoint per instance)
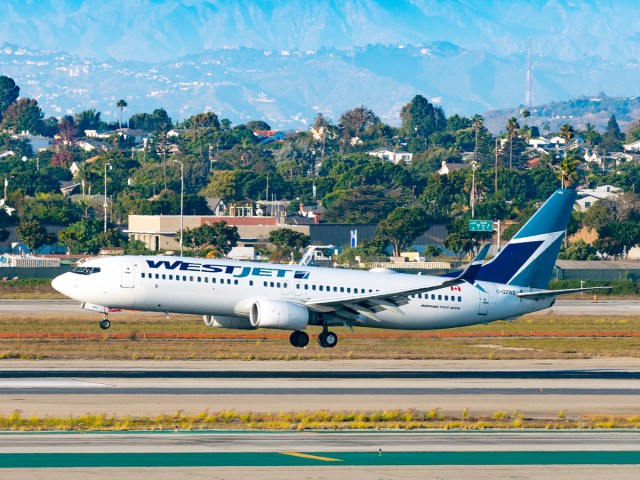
(553, 293)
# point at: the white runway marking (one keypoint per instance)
(49, 383)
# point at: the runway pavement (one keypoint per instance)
(586, 306)
(535, 388)
(539, 389)
(322, 455)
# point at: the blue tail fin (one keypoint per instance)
(528, 259)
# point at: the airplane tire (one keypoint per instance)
(328, 339)
(105, 324)
(299, 339)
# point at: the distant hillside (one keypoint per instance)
(577, 112)
(287, 88)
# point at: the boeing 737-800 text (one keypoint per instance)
(249, 295)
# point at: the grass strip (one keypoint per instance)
(411, 419)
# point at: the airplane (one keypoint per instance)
(250, 295)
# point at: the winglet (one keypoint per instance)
(469, 273)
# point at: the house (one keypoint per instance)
(7, 153)
(67, 187)
(632, 147)
(216, 205)
(539, 142)
(93, 145)
(268, 136)
(588, 196)
(446, 168)
(392, 155)
(38, 142)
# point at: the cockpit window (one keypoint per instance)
(86, 270)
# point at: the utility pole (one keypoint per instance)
(181, 205)
(106, 205)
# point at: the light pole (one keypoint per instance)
(474, 165)
(181, 204)
(105, 194)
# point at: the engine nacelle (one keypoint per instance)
(276, 314)
(237, 323)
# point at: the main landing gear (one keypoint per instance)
(326, 339)
(299, 339)
(105, 323)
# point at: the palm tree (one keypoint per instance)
(566, 133)
(568, 171)
(122, 104)
(512, 126)
(476, 122)
(525, 114)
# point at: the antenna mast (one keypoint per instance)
(528, 101)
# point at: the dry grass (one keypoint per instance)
(496, 341)
(312, 420)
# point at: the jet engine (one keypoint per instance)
(227, 322)
(276, 314)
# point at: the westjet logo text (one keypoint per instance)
(236, 271)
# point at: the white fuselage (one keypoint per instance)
(229, 288)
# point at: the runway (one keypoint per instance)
(586, 306)
(323, 455)
(537, 389)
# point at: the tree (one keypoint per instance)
(82, 236)
(9, 93)
(288, 242)
(34, 235)
(612, 138)
(512, 127)
(579, 250)
(420, 119)
(525, 113)
(459, 243)
(205, 121)
(217, 234)
(566, 133)
(403, 225)
(121, 105)
(24, 115)
(568, 171)
(477, 122)
(87, 120)
(354, 124)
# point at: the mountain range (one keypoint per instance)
(284, 61)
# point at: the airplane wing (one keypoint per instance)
(552, 293)
(348, 307)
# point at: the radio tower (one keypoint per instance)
(528, 101)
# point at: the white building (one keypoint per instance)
(392, 155)
(588, 196)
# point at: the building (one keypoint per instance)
(268, 136)
(392, 155)
(588, 196)
(446, 168)
(160, 232)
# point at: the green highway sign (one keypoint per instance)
(481, 225)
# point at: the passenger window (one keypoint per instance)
(271, 284)
(199, 279)
(142, 274)
(348, 289)
(214, 280)
(251, 283)
(306, 287)
(313, 287)
(439, 297)
(157, 276)
(278, 284)
(341, 289)
(206, 279)
(335, 289)
(433, 297)
(459, 299)
(235, 282)
(320, 288)
(266, 284)
(446, 297)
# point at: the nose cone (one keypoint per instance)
(62, 284)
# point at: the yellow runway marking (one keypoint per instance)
(313, 457)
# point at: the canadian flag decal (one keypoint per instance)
(456, 289)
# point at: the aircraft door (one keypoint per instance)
(297, 289)
(483, 306)
(286, 288)
(126, 280)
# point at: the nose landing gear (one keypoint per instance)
(105, 323)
